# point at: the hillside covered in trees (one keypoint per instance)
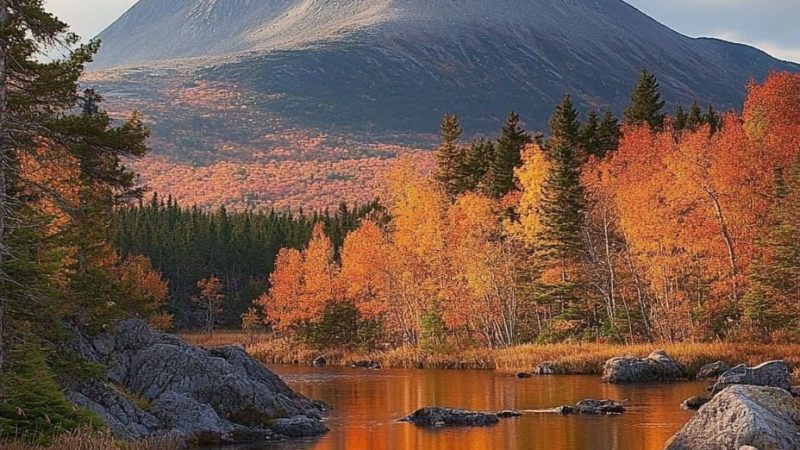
(669, 228)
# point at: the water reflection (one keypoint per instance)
(369, 403)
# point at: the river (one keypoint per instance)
(368, 403)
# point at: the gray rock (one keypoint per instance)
(319, 361)
(545, 368)
(771, 373)
(508, 413)
(433, 416)
(657, 366)
(122, 415)
(299, 426)
(592, 408)
(216, 395)
(743, 415)
(367, 364)
(713, 370)
(694, 403)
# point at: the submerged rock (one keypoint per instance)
(524, 375)
(508, 413)
(694, 403)
(156, 383)
(592, 408)
(545, 368)
(771, 373)
(298, 426)
(743, 415)
(319, 361)
(657, 366)
(434, 416)
(713, 370)
(367, 364)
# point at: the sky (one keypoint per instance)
(771, 25)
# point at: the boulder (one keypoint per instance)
(158, 384)
(694, 403)
(524, 375)
(713, 370)
(771, 373)
(319, 361)
(434, 416)
(763, 417)
(592, 408)
(545, 368)
(367, 364)
(657, 366)
(299, 426)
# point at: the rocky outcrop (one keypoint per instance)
(156, 383)
(657, 366)
(771, 373)
(592, 408)
(433, 416)
(713, 370)
(367, 364)
(694, 403)
(743, 415)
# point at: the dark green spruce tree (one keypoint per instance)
(479, 156)
(507, 157)
(681, 119)
(449, 158)
(562, 211)
(646, 104)
(695, 119)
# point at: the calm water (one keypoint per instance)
(368, 403)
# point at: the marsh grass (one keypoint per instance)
(567, 358)
(89, 440)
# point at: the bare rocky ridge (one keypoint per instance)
(157, 384)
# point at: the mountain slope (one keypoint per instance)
(386, 70)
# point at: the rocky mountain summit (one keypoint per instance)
(157, 385)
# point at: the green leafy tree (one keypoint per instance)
(646, 103)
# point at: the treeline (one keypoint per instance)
(188, 245)
(674, 228)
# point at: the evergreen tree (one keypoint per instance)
(477, 160)
(695, 118)
(646, 103)
(681, 119)
(608, 134)
(449, 158)
(564, 124)
(507, 157)
(590, 134)
(712, 119)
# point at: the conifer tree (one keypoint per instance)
(681, 119)
(564, 124)
(449, 157)
(608, 134)
(507, 157)
(477, 160)
(695, 118)
(590, 134)
(712, 119)
(646, 103)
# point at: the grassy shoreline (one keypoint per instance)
(566, 358)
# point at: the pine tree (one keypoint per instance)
(712, 119)
(695, 118)
(681, 119)
(608, 134)
(646, 103)
(477, 160)
(507, 157)
(564, 124)
(590, 134)
(449, 158)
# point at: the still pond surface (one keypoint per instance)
(368, 403)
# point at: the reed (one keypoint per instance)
(90, 440)
(567, 358)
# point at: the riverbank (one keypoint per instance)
(565, 358)
(88, 440)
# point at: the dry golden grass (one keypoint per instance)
(567, 358)
(86, 440)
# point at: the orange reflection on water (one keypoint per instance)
(368, 404)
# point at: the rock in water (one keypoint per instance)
(694, 403)
(545, 368)
(433, 416)
(524, 375)
(657, 366)
(157, 383)
(319, 361)
(772, 373)
(508, 413)
(759, 416)
(713, 370)
(592, 408)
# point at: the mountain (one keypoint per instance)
(329, 82)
